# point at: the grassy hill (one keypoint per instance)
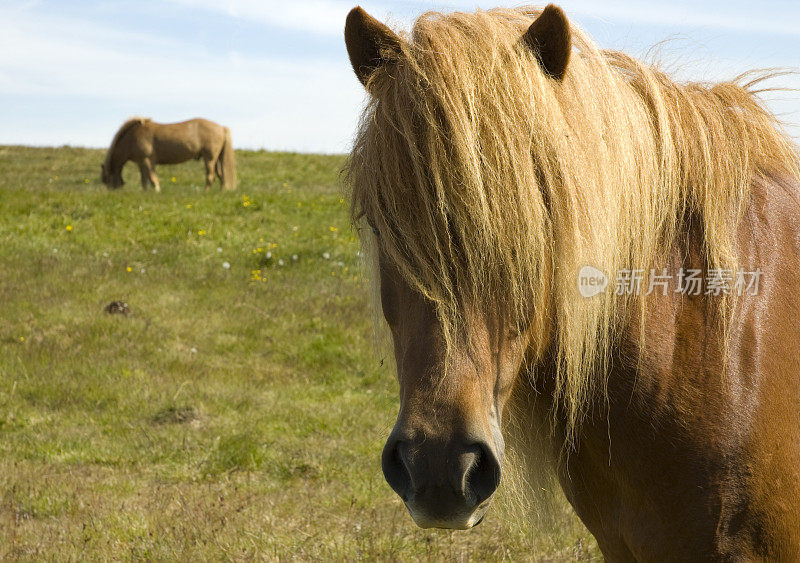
(238, 411)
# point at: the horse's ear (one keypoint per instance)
(370, 44)
(549, 37)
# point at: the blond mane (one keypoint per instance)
(491, 184)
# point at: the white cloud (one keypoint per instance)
(305, 105)
(718, 15)
(324, 17)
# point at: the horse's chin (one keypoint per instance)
(460, 522)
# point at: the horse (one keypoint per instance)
(148, 143)
(512, 179)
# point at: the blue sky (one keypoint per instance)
(277, 72)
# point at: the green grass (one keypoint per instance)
(235, 413)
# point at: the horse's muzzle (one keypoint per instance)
(444, 484)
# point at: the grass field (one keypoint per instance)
(238, 411)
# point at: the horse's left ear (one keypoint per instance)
(370, 44)
(550, 38)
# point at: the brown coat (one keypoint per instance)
(148, 143)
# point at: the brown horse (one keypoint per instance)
(541, 218)
(148, 143)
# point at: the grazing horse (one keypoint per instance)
(148, 143)
(541, 212)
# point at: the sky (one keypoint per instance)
(277, 72)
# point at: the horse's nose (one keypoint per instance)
(395, 467)
(444, 485)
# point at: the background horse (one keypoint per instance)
(493, 165)
(148, 143)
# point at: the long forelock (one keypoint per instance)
(491, 184)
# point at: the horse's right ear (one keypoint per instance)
(370, 44)
(550, 38)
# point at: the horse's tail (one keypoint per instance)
(226, 163)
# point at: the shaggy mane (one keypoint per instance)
(491, 183)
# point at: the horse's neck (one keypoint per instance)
(122, 148)
(653, 327)
(118, 160)
(642, 356)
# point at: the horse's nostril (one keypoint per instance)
(395, 469)
(484, 474)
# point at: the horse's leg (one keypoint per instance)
(211, 165)
(145, 172)
(151, 174)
